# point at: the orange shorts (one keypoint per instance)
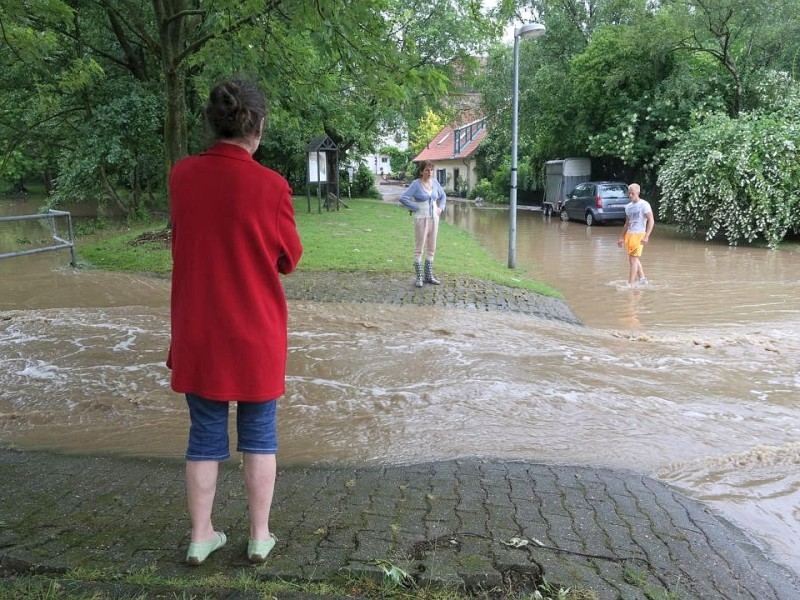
(633, 244)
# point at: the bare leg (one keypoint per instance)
(259, 480)
(201, 487)
(640, 268)
(634, 269)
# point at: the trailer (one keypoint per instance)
(561, 177)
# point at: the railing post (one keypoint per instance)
(72, 261)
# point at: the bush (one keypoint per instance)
(499, 188)
(486, 190)
(736, 177)
(363, 183)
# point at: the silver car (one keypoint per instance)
(596, 202)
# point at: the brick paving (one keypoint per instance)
(478, 525)
(457, 291)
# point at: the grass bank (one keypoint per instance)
(369, 236)
(254, 583)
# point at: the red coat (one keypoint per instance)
(233, 232)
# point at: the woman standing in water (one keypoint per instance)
(233, 233)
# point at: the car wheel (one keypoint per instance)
(548, 211)
(564, 215)
(590, 219)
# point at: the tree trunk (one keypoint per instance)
(171, 29)
(112, 193)
(136, 204)
(175, 142)
(47, 178)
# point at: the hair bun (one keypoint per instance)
(235, 109)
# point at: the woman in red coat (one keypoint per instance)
(233, 233)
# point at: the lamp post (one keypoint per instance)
(531, 30)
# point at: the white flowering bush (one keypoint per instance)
(737, 177)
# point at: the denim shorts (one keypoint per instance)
(256, 428)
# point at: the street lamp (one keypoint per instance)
(531, 30)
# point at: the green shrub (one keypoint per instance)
(486, 190)
(364, 183)
(736, 177)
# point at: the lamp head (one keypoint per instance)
(530, 30)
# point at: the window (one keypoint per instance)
(614, 191)
(466, 134)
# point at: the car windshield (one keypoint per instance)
(615, 191)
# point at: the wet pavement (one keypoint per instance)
(455, 291)
(479, 525)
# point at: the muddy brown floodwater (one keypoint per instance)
(692, 379)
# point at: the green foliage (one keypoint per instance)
(737, 177)
(426, 130)
(117, 149)
(16, 168)
(497, 189)
(620, 80)
(614, 84)
(631, 94)
(364, 183)
(104, 99)
(485, 190)
(741, 36)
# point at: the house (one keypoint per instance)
(379, 163)
(453, 152)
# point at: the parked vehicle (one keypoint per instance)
(561, 177)
(596, 202)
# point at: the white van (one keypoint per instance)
(561, 177)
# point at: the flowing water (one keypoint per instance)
(692, 379)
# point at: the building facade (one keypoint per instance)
(453, 152)
(380, 164)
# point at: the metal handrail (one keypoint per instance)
(51, 215)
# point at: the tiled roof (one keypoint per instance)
(443, 148)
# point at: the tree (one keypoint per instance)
(584, 86)
(328, 65)
(619, 80)
(34, 121)
(427, 129)
(743, 36)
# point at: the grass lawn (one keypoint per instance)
(369, 236)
